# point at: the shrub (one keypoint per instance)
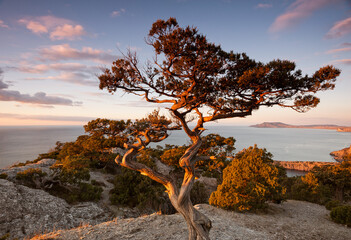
(31, 177)
(249, 181)
(135, 190)
(198, 193)
(332, 204)
(73, 169)
(341, 214)
(3, 176)
(89, 192)
(306, 189)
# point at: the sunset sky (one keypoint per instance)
(52, 51)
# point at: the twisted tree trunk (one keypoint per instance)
(198, 224)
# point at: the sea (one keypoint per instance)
(20, 144)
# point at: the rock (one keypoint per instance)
(291, 220)
(26, 212)
(341, 155)
(304, 166)
(43, 164)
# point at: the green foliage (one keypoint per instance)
(341, 214)
(198, 193)
(213, 145)
(332, 204)
(80, 192)
(4, 237)
(30, 177)
(172, 154)
(219, 149)
(73, 169)
(337, 178)
(301, 188)
(135, 190)
(89, 192)
(3, 176)
(249, 181)
(322, 185)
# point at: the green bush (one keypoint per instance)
(31, 177)
(301, 188)
(89, 192)
(341, 214)
(135, 190)
(198, 193)
(3, 176)
(249, 181)
(332, 204)
(81, 192)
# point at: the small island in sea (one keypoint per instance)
(316, 126)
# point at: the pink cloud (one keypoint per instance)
(73, 78)
(3, 25)
(57, 28)
(340, 29)
(65, 52)
(296, 12)
(263, 5)
(117, 13)
(34, 26)
(343, 61)
(339, 50)
(41, 68)
(67, 31)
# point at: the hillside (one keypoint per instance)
(284, 125)
(290, 220)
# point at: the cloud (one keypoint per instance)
(339, 50)
(65, 52)
(3, 25)
(340, 29)
(263, 5)
(343, 61)
(37, 98)
(42, 68)
(57, 28)
(67, 31)
(46, 117)
(117, 13)
(74, 78)
(296, 12)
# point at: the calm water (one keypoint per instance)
(19, 144)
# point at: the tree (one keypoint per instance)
(202, 82)
(249, 181)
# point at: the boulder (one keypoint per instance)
(25, 212)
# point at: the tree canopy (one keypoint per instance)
(200, 81)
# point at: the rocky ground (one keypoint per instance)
(25, 212)
(290, 220)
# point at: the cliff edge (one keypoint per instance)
(342, 155)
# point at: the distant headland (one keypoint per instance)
(319, 126)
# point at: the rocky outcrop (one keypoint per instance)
(25, 211)
(304, 166)
(43, 164)
(293, 220)
(284, 125)
(344, 129)
(342, 155)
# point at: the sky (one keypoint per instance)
(52, 52)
